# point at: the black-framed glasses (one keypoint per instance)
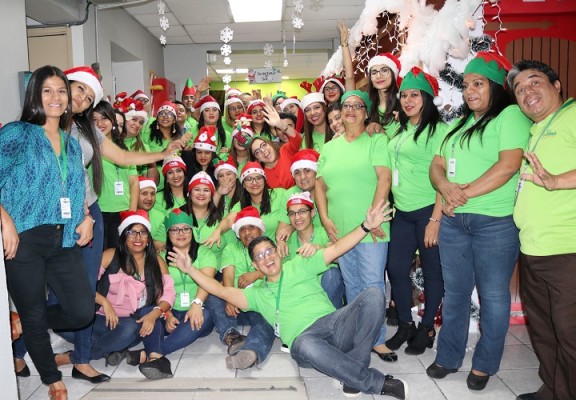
(260, 149)
(185, 230)
(263, 254)
(165, 114)
(140, 234)
(330, 88)
(353, 106)
(302, 212)
(384, 71)
(257, 178)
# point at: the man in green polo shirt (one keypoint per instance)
(335, 342)
(146, 201)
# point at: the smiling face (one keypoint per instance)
(188, 101)
(332, 92)
(175, 177)
(181, 111)
(204, 158)
(165, 119)
(103, 123)
(476, 93)
(82, 97)
(254, 184)
(315, 114)
(536, 96)
(211, 115)
(133, 126)
(267, 260)
(335, 121)
(248, 233)
(137, 242)
(291, 108)
(200, 195)
(353, 111)
(257, 113)
(147, 198)
(179, 238)
(381, 77)
(54, 97)
(300, 216)
(305, 179)
(412, 104)
(263, 152)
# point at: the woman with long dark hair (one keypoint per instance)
(316, 131)
(257, 111)
(210, 115)
(173, 195)
(383, 83)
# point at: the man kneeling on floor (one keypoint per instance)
(335, 342)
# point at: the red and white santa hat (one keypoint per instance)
(206, 139)
(201, 178)
(255, 103)
(232, 92)
(146, 182)
(243, 132)
(306, 158)
(89, 77)
(140, 95)
(133, 108)
(167, 106)
(335, 80)
(314, 97)
(248, 216)
(231, 100)
(205, 102)
(387, 59)
(290, 100)
(300, 198)
(252, 167)
(228, 164)
(172, 161)
(133, 217)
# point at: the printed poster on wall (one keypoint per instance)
(263, 75)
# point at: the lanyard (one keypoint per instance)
(459, 135)
(403, 137)
(277, 295)
(198, 229)
(62, 167)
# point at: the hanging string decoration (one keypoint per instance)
(498, 19)
(284, 52)
(226, 36)
(297, 23)
(164, 22)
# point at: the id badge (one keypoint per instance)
(65, 208)
(395, 176)
(277, 329)
(119, 188)
(185, 299)
(520, 185)
(452, 167)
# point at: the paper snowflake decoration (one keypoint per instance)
(298, 6)
(268, 50)
(226, 79)
(225, 50)
(163, 40)
(268, 65)
(285, 63)
(226, 87)
(227, 60)
(226, 35)
(161, 7)
(284, 52)
(164, 23)
(297, 23)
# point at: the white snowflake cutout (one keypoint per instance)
(161, 7)
(285, 63)
(226, 35)
(284, 52)
(298, 6)
(225, 50)
(226, 79)
(226, 87)
(297, 23)
(268, 50)
(227, 60)
(164, 23)
(268, 65)
(163, 40)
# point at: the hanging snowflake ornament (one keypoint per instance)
(161, 7)
(226, 35)
(268, 50)
(298, 6)
(227, 60)
(226, 87)
(297, 22)
(163, 40)
(285, 63)
(226, 79)
(225, 50)
(268, 65)
(164, 23)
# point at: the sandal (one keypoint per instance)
(58, 394)
(15, 325)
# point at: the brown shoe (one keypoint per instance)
(235, 341)
(244, 359)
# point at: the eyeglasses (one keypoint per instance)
(140, 234)
(257, 178)
(136, 119)
(302, 212)
(384, 71)
(260, 149)
(235, 109)
(185, 230)
(330, 88)
(165, 114)
(353, 106)
(263, 254)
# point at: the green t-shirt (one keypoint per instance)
(348, 171)
(508, 131)
(228, 129)
(302, 299)
(115, 193)
(547, 219)
(203, 232)
(235, 255)
(277, 212)
(318, 139)
(191, 125)
(161, 206)
(410, 162)
(157, 223)
(390, 128)
(183, 283)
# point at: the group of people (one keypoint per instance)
(276, 214)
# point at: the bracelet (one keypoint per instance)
(163, 315)
(344, 45)
(434, 219)
(364, 228)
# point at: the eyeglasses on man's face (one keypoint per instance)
(302, 212)
(258, 257)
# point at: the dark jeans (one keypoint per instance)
(111, 223)
(548, 289)
(406, 236)
(339, 344)
(41, 260)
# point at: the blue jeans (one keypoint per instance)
(261, 335)
(476, 250)
(105, 340)
(339, 344)
(363, 267)
(333, 284)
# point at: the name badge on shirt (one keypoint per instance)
(65, 208)
(277, 329)
(452, 167)
(119, 188)
(520, 185)
(142, 299)
(185, 299)
(395, 176)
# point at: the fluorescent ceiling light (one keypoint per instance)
(241, 70)
(256, 10)
(285, 77)
(225, 71)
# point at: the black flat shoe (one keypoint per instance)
(24, 372)
(437, 372)
(133, 357)
(530, 396)
(477, 382)
(156, 369)
(388, 357)
(116, 357)
(92, 379)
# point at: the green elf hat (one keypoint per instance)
(490, 65)
(361, 94)
(417, 79)
(189, 89)
(279, 95)
(177, 216)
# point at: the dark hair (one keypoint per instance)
(265, 132)
(157, 136)
(192, 252)
(332, 108)
(309, 128)
(193, 166)
(214, 213)
(339, 97)
(266, 140)
(535, 65)
(123, 130)
(428, 119)
(392, 103)
(499, 99)
(128, 263)
(167, 192)
(265, 206)
(33, 110)
(238, 189)
(256, 241)
(105, 109)
(220, 132)
(290, 116)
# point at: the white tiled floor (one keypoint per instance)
(205, 359)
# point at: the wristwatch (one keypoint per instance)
(198, 301)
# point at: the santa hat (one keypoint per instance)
(300, 198)
(307, 158)
(146, 182)
(420, 80)
(490, 65)
(251, 167)
(89, 77)
(167, 106)
(205, 102)
(206, 139)
(255, 103)
(243, 132)
(177, 216)
(388, 60)
(232, 100)
(225, 165)
(201, 178)
(189, 89)
(133, 108)
(313, 97)
(139, 95)
(288, 101)
(248, 216)
(133, 217)
(333, 79)
(172, 162)
(232, 92)
(118, 99)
